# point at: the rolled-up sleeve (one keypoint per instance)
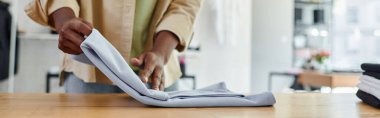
(39, 10)
(179, 19)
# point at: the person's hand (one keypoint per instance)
(71, 30)
(152, 63)
(71, 35)
(151, 69)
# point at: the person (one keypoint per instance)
(147, 33)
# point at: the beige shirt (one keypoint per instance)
(115, 20)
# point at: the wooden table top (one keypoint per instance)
(121, 106)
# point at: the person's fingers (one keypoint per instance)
(138, 61)
(156, 78)
(68, 45)
(81, 27)
(61, 45)
(66, 49)
(72, 36)
(146, 72)
(162, 85)
(88, 23)
(70, 51)
(60, 42)
(149, 66)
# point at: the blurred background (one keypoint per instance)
(252, 45)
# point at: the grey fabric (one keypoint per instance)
(99, 52)
(73, 84)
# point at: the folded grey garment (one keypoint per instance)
(99, 52)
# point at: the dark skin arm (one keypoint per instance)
(152, 62)
(72, 31)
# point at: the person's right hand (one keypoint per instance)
(71, 30)
(71, 35)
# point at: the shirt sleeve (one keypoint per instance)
(39, 10)
(179, 19)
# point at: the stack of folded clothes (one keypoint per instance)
(369, 86)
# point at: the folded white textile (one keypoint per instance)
(370, 79)
(99, 52)
(370, 85)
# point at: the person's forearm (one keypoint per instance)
(60, 16)
(165, 43)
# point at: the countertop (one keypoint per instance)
(290, 105)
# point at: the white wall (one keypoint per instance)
(224, 35)
(36, 58)
(272, 30)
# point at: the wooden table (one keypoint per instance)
(330, 79)
(121, 106)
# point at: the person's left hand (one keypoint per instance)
(151, 69)
(152, 63)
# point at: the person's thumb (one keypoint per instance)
(138, 61)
